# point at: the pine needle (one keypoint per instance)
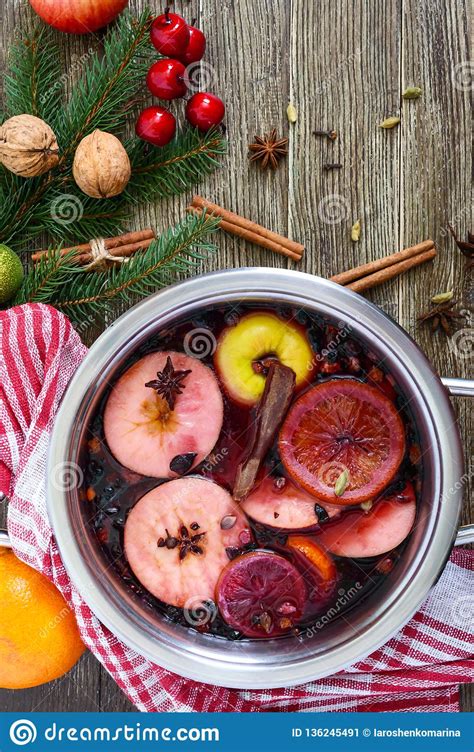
(174, 169)
(82, 294)
(33, 82)
(109, 86)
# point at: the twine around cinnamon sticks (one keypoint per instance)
(117, 248)
(100, 252)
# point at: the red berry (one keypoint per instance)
(196, 47)
(165, 79)
(205, 110)
(169, 34)
(156, 125)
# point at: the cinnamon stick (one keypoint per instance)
(373, 280)
(252, 237)
(373, 266)
(272, 408)
(120, 250)
(118, 240)
(247, 224)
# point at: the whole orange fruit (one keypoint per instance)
(39, 638)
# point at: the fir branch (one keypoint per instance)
(174, 169)
(33, 82)
(102, 96)
(108, 88)
(51, 272)
(79, 293)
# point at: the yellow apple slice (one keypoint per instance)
(257, 336)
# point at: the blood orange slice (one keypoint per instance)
(176, 538)
(145, 434)
(261, 594)
(343, 441)
(287, 508)
(359, 534)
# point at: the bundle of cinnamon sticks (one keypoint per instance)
(245, 228)
(374, 273)
(120, 246)
(359, 279)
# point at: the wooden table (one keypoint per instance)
(343, 65)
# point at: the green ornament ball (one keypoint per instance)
(11, 274)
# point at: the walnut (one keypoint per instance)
(28, 146)
(101, 165)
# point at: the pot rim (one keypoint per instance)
(298, 288)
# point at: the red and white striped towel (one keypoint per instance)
(418, 670)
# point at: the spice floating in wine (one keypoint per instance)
(174, 562)
(177, 435)
(167, 404)
(275, 401)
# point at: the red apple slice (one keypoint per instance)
(141, 430)
(359, 534)
(176, 538)
(287, 508)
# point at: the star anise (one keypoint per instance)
(465, 246)
(169, 383)
(187, 543)
(268, 149)
(442, 316)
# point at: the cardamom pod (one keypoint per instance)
(443, 297)
(341, 483)
(367, 505)
(390, 122)
(355, 231)
(412, 92)
(292, 113)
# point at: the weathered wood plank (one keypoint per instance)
(344, 67)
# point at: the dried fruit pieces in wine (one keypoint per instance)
(165, 405)
(177, 536)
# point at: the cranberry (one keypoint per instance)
(156, 125)
(165, 79)
(196, 46)
(169, 34)
(205, 111)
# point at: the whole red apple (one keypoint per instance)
(78, 16)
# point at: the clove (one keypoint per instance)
(331, 134)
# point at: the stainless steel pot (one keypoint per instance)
(272, 663)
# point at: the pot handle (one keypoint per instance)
(461, 388)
